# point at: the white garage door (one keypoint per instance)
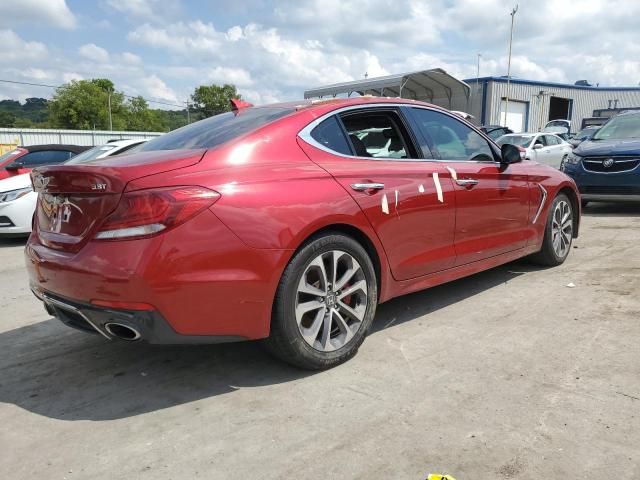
(516, 116)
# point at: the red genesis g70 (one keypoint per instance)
(288, 223)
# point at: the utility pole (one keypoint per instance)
(109, 102)
(188, 114)
(478, 73)
(506, 106)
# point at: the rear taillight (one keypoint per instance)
(147, 212)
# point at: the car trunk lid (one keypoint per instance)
(74, 200)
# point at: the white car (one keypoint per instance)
(18, 200)
(545, 148)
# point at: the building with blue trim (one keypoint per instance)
(532, 103)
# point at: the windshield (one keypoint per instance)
(519, 140)
(585, 132)
(619, 128)
(216, 130)
(90, 154)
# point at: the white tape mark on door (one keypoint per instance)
(385, 204)
(453, 173)
(421, 188)
(436, 181)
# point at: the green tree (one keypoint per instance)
(84, 104)
(211, 100)
(7, 119)
(141, 118)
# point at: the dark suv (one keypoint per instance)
(607, 166)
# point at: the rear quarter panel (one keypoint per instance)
(272, 196)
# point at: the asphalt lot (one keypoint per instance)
(507, 374)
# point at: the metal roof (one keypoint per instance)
(521, 81)
(434, 86)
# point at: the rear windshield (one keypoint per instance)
(216, 130)
(519, 140)
(90, 154)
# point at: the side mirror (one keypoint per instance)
(510, 154)
(538, 146)
(17, 165)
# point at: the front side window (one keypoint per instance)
(378, 134)
(45, 157)
(452, 139)
(551, 140)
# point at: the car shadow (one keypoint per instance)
(6, 242)
(60, 373)
(600, 209)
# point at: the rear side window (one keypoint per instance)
(45, 157)
(378, 134)
(216, 130)
(329, 133)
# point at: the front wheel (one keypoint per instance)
(558, 234)
(325, 303)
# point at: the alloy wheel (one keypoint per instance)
(331, 300)
(562, 228)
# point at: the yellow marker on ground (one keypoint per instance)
(437, 476)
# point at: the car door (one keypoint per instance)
(492, 200)
(408, 199)
(558, 150)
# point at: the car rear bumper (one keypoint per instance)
(145, 326)
(198, 279)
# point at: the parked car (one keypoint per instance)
(18, 200)
(606, 166)
(495, 131)
(582, 135)
(23, 159)
(278, 222)
(543, 148)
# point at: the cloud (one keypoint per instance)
(157, 89)
(149, 10)
(37, 13)
(15, 49)
(274, 50)
(94, 53)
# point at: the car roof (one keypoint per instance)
(335, 103)
(69, 148)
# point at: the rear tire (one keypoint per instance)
(325, 303)
(558, 234)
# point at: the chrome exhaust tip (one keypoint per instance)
(121, 331)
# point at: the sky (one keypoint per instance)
(274, 50)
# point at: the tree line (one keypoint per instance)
(84, 105)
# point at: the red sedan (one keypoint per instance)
(289, 223)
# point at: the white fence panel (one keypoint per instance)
(41, 136)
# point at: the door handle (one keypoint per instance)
(466, 182)
(363, 187)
